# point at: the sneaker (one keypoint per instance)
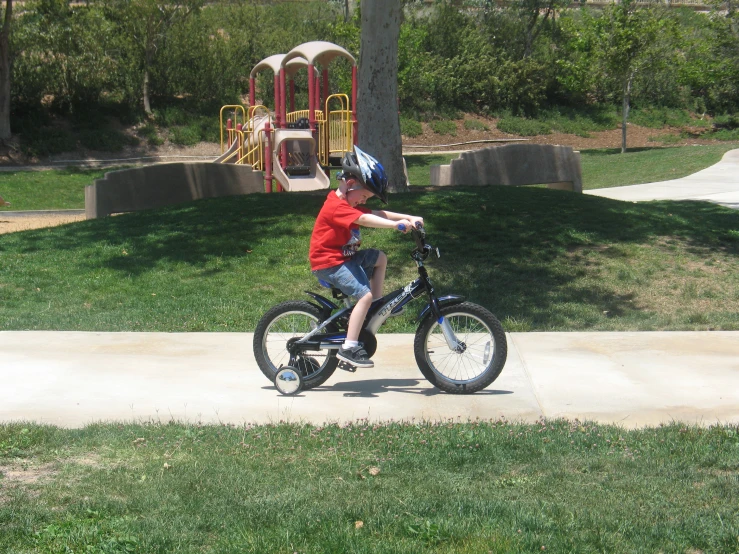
(356, 356)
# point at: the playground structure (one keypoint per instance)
(296, 147)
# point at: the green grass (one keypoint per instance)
(61, 189)
(609, 168)
(540, 259)
(475, 487)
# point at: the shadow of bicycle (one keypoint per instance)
(372, 388)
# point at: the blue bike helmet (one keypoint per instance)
(367, 170)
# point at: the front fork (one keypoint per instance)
(454, 344)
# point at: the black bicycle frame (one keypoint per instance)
(379, 312)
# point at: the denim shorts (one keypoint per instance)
(353, 276)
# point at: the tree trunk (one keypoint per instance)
(145, 92)
(377, 95)
(625, 110)
(5, 132)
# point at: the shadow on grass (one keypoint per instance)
(521, 252)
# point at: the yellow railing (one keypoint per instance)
(236, 111)
(340, 134)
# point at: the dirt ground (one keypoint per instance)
(429, 141)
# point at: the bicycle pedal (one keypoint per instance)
(346, 366)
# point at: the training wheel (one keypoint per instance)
(289, 381)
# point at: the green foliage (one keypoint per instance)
(443, 127)
(512, 58)
(523, 127)
(475, 125)
(657, 118)
(410, 127)
(185, 135)
(105, 140)
(150, 133)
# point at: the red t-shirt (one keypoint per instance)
(335, 236)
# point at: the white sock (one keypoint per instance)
(350, 343)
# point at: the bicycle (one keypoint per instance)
(460, 347)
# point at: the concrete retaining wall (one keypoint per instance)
(513, 164)
(155, 186)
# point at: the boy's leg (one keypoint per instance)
(356, 319)
(378, 276)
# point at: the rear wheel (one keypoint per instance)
(476, 363)
(281, 324)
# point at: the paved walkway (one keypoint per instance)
(718, 183)
(634, 379)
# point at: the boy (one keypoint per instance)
(334, 246)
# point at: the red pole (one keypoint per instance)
(292, 95)
(252, 92)
(267, 158)
(278, 111)
(354, 103)
(283, 111)
(325, 92)
(311, 97)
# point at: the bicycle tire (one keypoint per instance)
(281, 323)
(481, 362)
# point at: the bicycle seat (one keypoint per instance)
(336, 293)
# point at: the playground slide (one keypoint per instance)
(311, 176)
(256, 123)
(228, 157)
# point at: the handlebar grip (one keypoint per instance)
(419, 225)
(401, 227)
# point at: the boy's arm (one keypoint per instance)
(379, 222)
(392, 216)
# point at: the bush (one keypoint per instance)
(46, 141)
(475, 125)
(150, 133)
(580, 122)
(105, 140)
(523, 127)
(410, 127)
(444, 127)
(185, 136)
(724, 134)
(657, 118)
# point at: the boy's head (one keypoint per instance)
(365, 172)
(355, 193)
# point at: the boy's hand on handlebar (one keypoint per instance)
(403, 225)
(417, 222)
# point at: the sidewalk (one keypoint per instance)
(718, 183)
(634, 379)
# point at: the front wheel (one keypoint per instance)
(286, 321)
(476, 363)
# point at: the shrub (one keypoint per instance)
(410, 127)
(724, 134)
(150, 133)
(475, 125)
(444, 127)
(523, 127)
(105, 140)
(656, 118)
(46, 141)
(185, 136)
(666, 139)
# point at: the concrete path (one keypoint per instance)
(634, 379)
(718, 183)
